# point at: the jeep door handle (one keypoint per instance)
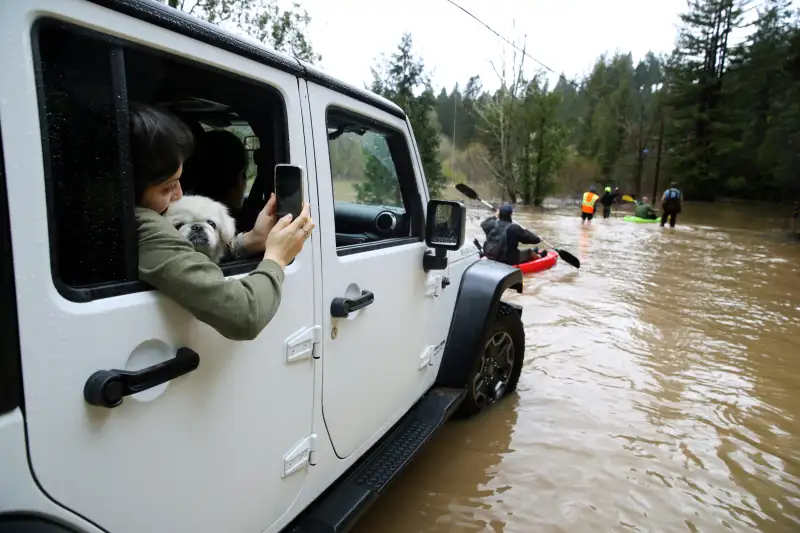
(341, 307)
(107, 388)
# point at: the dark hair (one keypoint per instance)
(160, 143)
(505, 212)
(674, 184)
(223, 159)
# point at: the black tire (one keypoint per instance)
(487, 376)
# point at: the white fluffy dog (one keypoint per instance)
(205, 223)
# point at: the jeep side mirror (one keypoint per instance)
(445, 229)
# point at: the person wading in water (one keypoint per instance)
(671, 205)
(607, 200)
(588, 205)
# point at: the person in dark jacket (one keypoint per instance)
(671, 205)
(503, 236)
(607, 200)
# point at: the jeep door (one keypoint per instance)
(371, 199)
(222, 447)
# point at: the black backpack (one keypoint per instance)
(496, 243)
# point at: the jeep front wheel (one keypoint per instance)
(498, 367)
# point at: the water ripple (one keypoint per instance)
(659, 394)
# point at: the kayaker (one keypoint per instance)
(588, 205)
(503, 236)
(645, 210)
(671, 205)
(607, 200)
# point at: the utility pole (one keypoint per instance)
(453, 157)
(658, 161)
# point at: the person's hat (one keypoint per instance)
(608, 189)
(592, 189)
(506, 209)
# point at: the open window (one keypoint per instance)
(376, 199)
(86, 83)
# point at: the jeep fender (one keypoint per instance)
(477, 303)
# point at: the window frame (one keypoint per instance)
(117, 48)
(409, 188)
(11, 396)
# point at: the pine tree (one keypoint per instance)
(763, 116)
(380, 186)
(695, 76)
(264, 20)
(400, 78)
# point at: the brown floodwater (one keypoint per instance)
(660, 390)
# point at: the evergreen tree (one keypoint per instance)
(695, 78)
(380, 186)
(402, 78)
(264, 20)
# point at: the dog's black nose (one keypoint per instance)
(197, 227)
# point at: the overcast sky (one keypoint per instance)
(565, 35)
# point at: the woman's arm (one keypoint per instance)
(237, 308)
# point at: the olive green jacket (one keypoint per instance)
(644, 210)
(237, 308)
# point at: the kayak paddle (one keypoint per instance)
(470, 193)
(627, 198)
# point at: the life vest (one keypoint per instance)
(672, 194)
(589, 199)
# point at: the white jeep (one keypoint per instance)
(121, 412)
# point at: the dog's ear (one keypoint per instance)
(227, 225)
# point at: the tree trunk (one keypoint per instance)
(537, 191)
(639, 168)
(658, 162)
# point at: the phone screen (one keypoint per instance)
(288, 190)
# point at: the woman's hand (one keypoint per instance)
(255, 239)
(287, 237)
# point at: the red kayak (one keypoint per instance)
(539, 264)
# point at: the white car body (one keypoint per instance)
(262, 428)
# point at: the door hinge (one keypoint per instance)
(432, 287)
(300, 346)
(301, 456)
(426, 359)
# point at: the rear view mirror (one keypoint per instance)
(445, 225)
(251, 143)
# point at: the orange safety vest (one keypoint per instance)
(589, 199)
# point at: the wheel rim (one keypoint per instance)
(497, 362)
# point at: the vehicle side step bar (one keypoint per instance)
(339, 509)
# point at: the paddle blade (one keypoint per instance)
(627, 198)
(569, 258)
(467, 191)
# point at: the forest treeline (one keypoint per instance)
(720, 114)
(727, 115)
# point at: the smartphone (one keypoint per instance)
(288, 190)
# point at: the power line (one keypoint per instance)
(513, 44)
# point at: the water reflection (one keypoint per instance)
(660, 391)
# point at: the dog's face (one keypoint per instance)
(204, 223)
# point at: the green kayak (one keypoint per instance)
(631, 218)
